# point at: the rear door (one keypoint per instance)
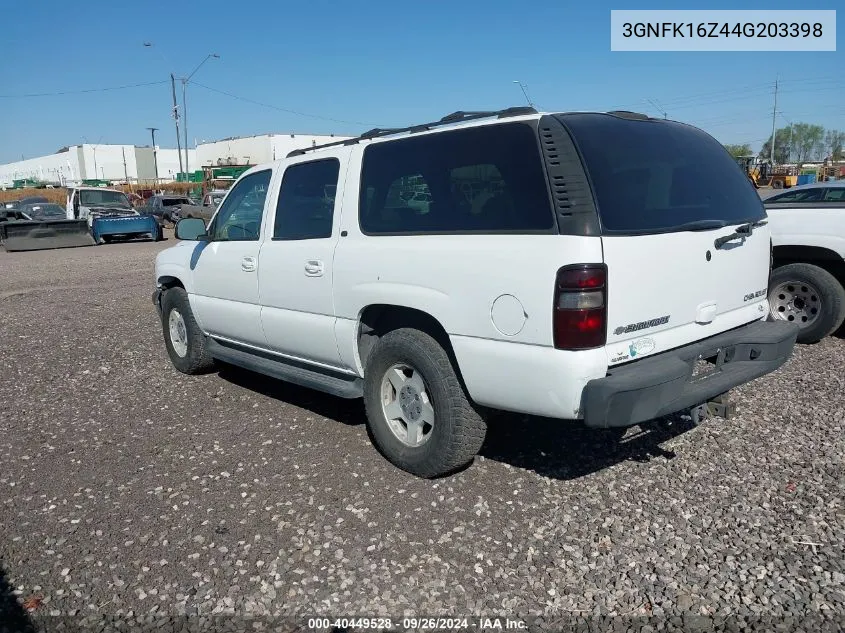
(666, 194)
(297, 264)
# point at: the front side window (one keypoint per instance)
(305, 210)
(486, 179)
(239, 218)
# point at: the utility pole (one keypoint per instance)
(185, 120)
(176, 119)
(155, 156)
(774, 114)
(125, 172)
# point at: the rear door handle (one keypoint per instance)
(248, 264)
(314, 268)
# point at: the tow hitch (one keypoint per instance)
(718, 407)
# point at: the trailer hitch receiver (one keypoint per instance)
(718, 407)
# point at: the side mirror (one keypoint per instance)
(191, 229)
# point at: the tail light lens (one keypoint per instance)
(579, 316)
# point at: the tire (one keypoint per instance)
(457, 430)
(158, 234)
(821, 310)
(777, 184)
(193, 358)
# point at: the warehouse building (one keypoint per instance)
(103, 162)
(253, 150)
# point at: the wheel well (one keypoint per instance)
(166, 282)
(379, 319)
(819, 256)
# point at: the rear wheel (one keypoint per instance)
(808, 296)
(185, 342)
(418, 413)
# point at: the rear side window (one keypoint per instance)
(834, 194)
(654, 176)
(802, 195)
(305, 209)
(487, 179)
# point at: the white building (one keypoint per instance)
(106, 162)
(252, 150)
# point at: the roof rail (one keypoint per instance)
(455, 117)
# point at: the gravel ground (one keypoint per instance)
(128, 489)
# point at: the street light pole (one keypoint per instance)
(155, 154)
(185, 81)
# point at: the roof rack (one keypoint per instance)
(455, 117)
(628, 114)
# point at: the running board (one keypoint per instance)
(332, 383)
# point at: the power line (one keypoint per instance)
(76, 92)
(289, 111)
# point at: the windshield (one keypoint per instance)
(45, 211)
(94, 197)
(654, 176)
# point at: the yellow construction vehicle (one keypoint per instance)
(761, 173)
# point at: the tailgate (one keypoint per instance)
(669, 290)
(684, 233)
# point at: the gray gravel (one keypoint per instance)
(129, 490)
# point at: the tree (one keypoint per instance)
(797, 143)
(833, 143)
(783, 147)
(739, 150)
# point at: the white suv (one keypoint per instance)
(576, 266)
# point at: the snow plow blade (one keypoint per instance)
(25, 235)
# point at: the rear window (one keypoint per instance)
(172, 202)
(656, 176)
(487, 179)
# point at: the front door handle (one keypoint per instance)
(313, 268)
(248, 264)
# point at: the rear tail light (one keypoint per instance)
(579, 316)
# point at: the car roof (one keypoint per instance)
(817, 185)
(489, 119)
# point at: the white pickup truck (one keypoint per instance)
(576, 266)
(807, 284)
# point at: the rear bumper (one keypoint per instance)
(127, 225)
(664, 384)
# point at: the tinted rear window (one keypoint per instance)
(652, 176)
(486, 179)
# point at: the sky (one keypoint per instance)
(321, 66)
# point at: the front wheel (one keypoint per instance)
(808, 296)
(418, 413)
(185, 342)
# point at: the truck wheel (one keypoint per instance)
(809, 296)
(418, 414)
(158, 234)
(185, 341)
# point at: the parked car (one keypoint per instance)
(44, 211)
(206, 210)
(607, 282)
(807, 284)
(167, 207)
(109, 214)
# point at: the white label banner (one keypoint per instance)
(695, 30)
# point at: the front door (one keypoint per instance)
(225, 268)
(295, 274)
